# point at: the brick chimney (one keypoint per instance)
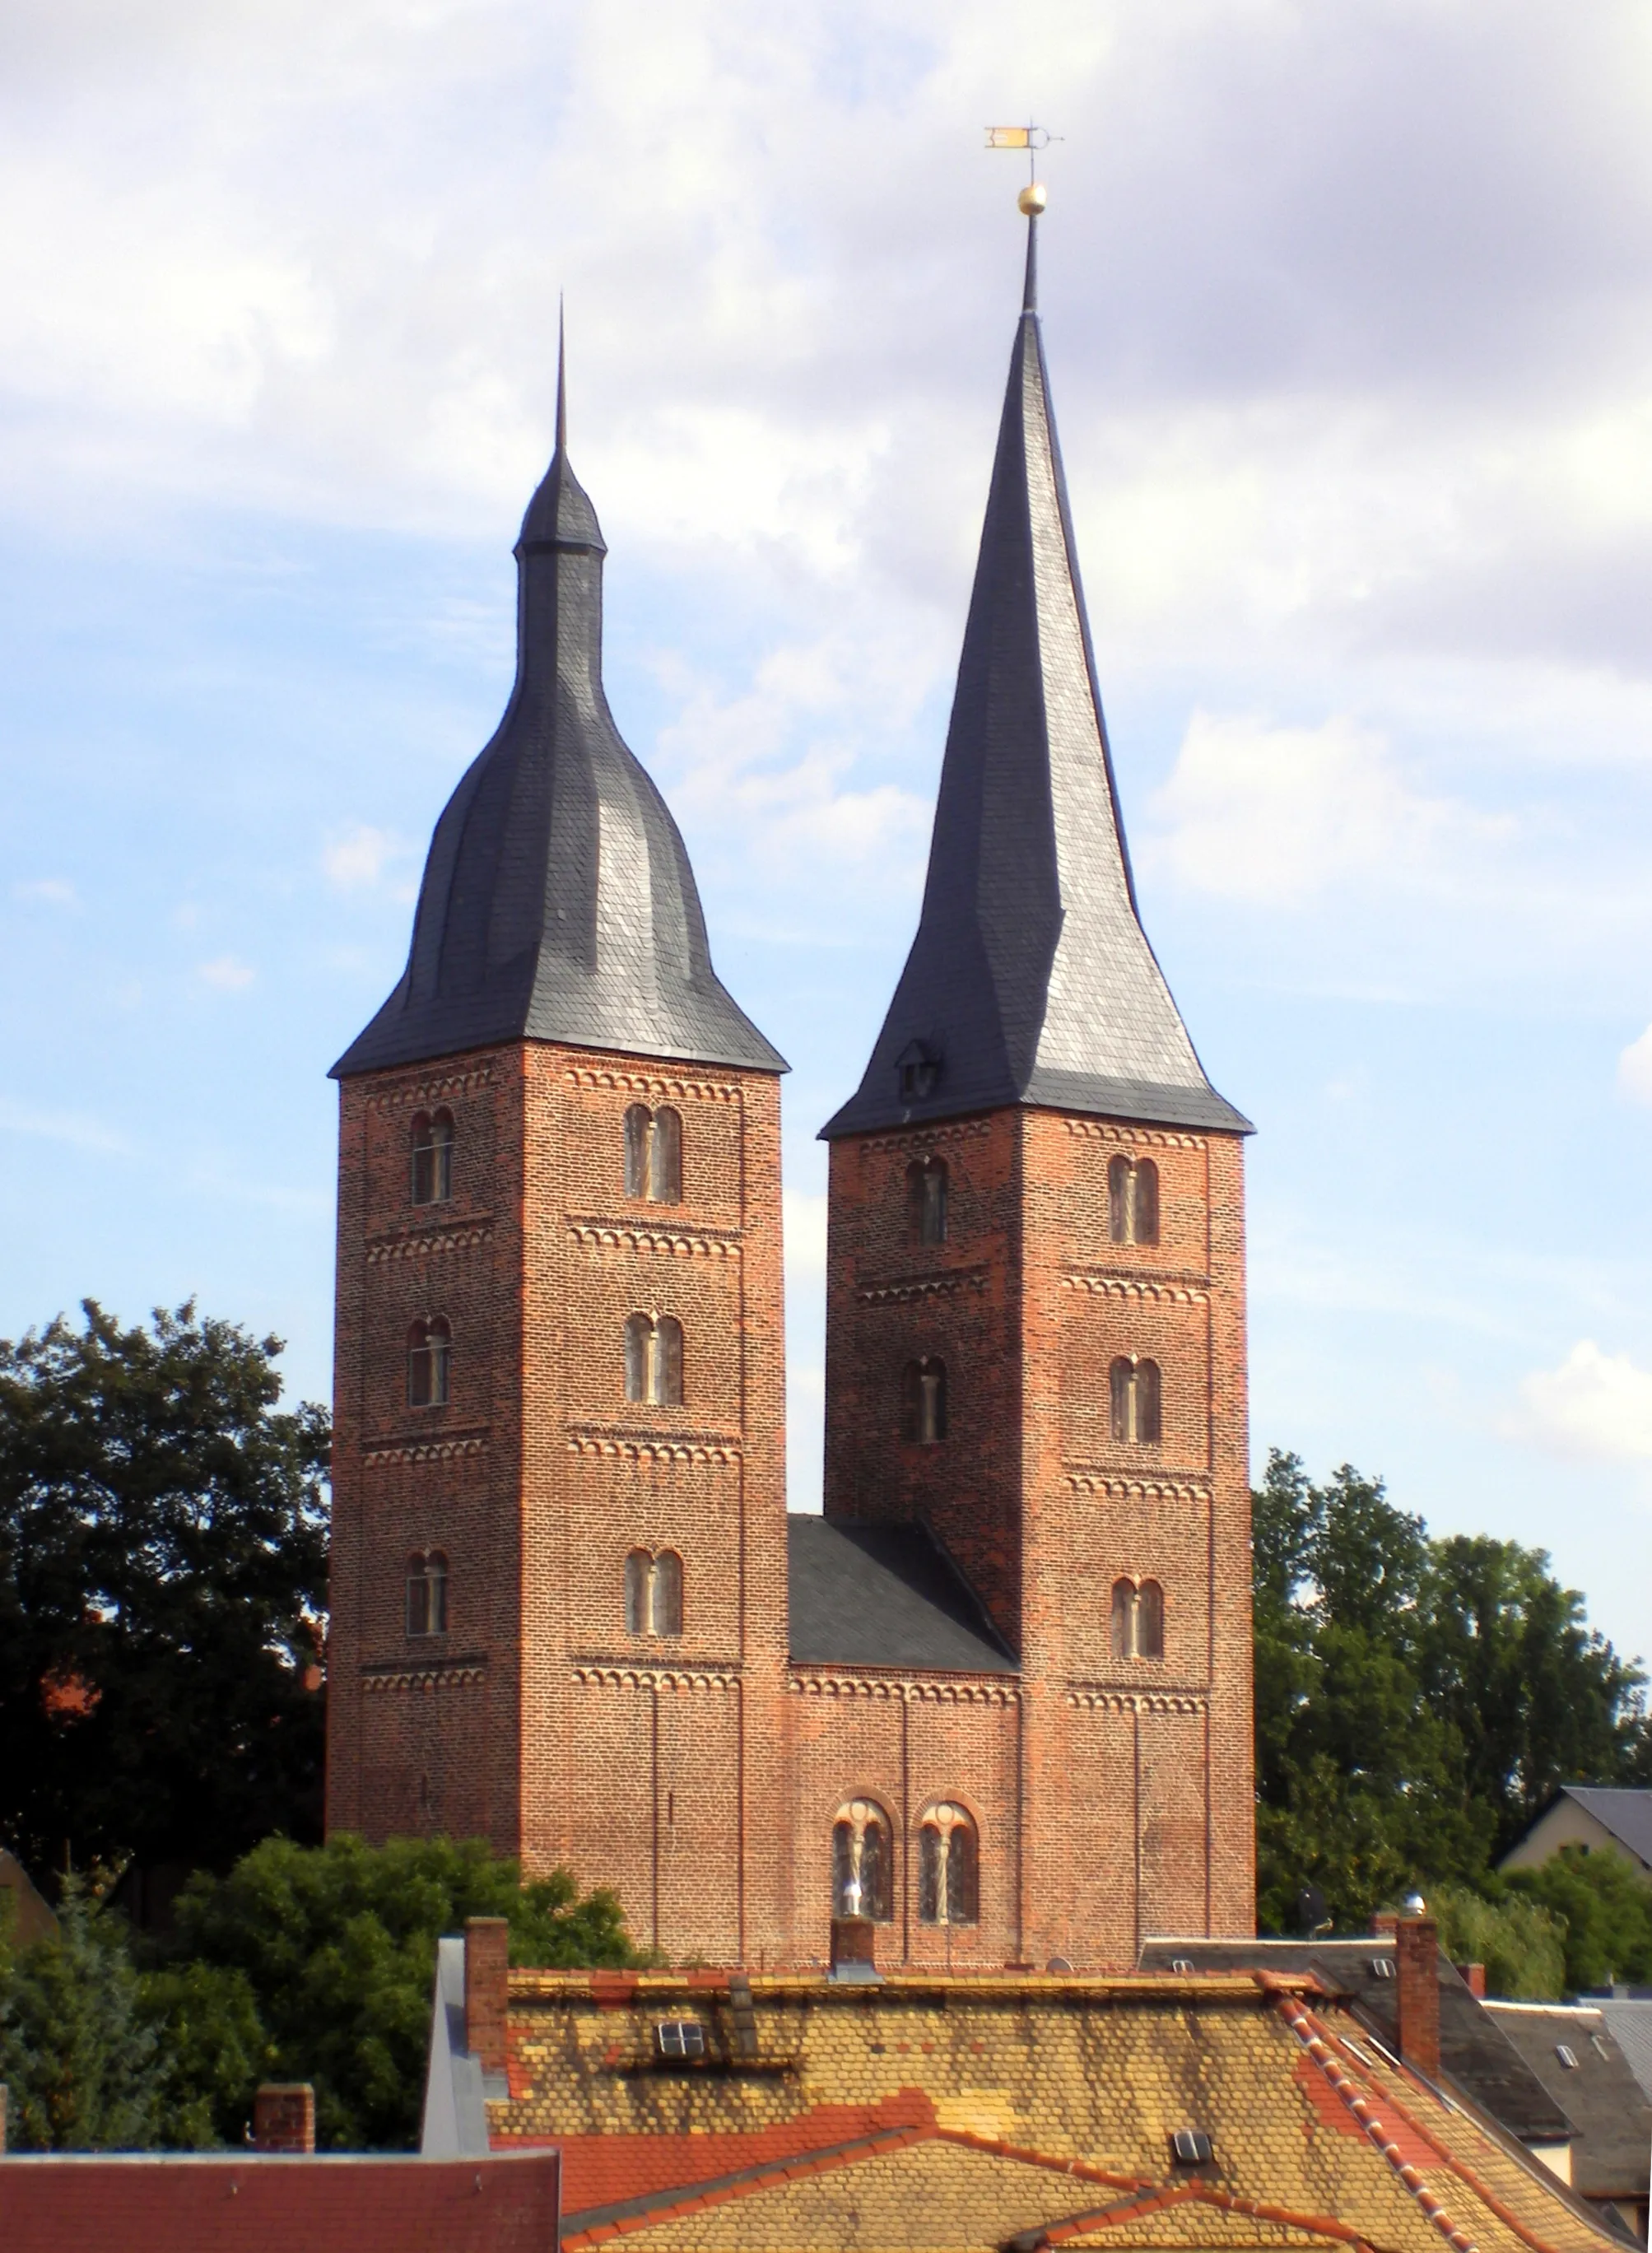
(1383, 1923)
(284, 2118)
(487, 1956)
(1417, 1968)
(1473, 1978)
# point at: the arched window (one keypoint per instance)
(1138, 1619)
(428, 1593)
(926, 1190)
(1137, 1401)
(654, 1153)
(667, 1604)
(654, 1593)
(430, 1363)
(949, 1889)
(923, 1402)
(639, 1571)
(432, 1157)
(653, 1358)
(1132, 1200)
(861, 1860)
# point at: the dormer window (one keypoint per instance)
(432, 1141)
(918, 1069)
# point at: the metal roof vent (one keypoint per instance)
(1182, 1966)
(1190, 2147)
(1567, 2056)
(681, 2038)
(1382, 1967)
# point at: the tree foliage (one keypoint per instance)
(163, 1569)
(1416, 1701)
(77, 2055)
(1603, 1908)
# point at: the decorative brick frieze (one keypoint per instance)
(661, 1088)
(446, 1674)
(925, 1138)
(1094, 1478)
(611, 1236)
(1161, 1290)
(903, 1688)
(909, 1290)
(394, 1094)
(1099, 1698)
(447, 1447)
(1108, 1130)
(654, 1678)
(423, 1243)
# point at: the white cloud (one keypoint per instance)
(1278, 815)
(1635, 1069)
(67, 1127)
(357, 861)
(1595, 1406)
(226, 972)
(53, 891)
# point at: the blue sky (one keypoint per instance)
(1350, 325)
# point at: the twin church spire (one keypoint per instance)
(558, 903)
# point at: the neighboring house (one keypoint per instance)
(1570, 2047)
(1626, 2014)
(1600, 1819)
(21, 1905)
(725, 2112)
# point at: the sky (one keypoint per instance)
(1349, 314)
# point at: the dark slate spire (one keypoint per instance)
(1030, 979)
(558, 904)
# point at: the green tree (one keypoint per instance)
(212, 2051)
(336, 1945)
(163, 1568)
(1605, 1906)
(75, 2053)
(1521, 1944)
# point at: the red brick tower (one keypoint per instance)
(559, 1529)
(1035, 1322)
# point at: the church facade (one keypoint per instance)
(997, 1698)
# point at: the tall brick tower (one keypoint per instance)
(1036, 1324)
(558, 1523)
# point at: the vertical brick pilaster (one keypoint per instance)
(1417, 1949)
(284, 2118)
(487, 1944)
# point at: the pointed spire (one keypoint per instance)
(562, 376)
(1030, 979)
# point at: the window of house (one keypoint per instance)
(654, 1593)
(923, 1402)
(652, 1352)
(1137, 1401)
(429, 1363)
(926, 1190)
(1138, 1619)
(949, 1866)
(1132, 1200)
(428, 1593)
(654, 1153)
(861, 1861)
(432, 1157)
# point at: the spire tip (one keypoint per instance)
(562, 378)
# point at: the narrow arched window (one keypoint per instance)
(1149, 1404)
(639, 1353)
(637, 1138)
(639, 1568)
(1150, 1620)
(948, 1866)
(667, 1597)
(1124, 1619)
(428, 1593)
(432, 1157)
(1121, 1384)
(668, 1362)
(665, 1157)
(430, 1363)
(923, 1402)
(861, 1862)
(1132, 1200)
(1136, 1402)
(926, 1192)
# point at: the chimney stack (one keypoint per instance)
(284, 2119)
(1417, 1968)
(1383, 1923)
(487, 1958)
(1473, 1978)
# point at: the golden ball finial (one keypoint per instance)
(1032, 199)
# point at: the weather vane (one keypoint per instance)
(1034, 196)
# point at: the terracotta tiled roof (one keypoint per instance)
(1006, 2111)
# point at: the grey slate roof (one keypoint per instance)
(1031, 980)
(1621, 1810)
(1612, 2157)
(884, 1595)
(558, 903)
(1475, 2051)
(1628, 2020)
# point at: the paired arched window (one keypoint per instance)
(1138, 1619)
(653, 1353)
(432, 1157)
(1137, 1401)
(429, 1363)
(926, 1194)
(428, 1593)
(949, 1866)
(654, 1593)
(923, 1402)
(1132, 1200)
(861, 1861)
(654, 1153)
